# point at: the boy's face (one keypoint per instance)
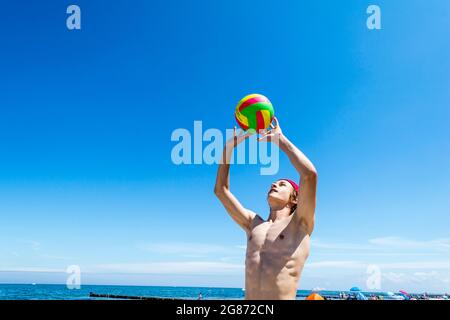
(280, 192)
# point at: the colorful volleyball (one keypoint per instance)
(254, 112)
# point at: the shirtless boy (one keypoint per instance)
(278, 247)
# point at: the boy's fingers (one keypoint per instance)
(276, 121)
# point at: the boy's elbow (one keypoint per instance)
(219, 190)
(311, 174)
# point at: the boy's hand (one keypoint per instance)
(237, 139)
(273, 133)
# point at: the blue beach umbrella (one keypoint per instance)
(354, 289)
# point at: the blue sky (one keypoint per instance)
(86, 118)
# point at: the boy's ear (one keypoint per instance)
(294, 198)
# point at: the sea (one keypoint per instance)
(62, 292)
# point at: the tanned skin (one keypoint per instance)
(278, 247)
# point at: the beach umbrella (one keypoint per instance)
(405, 294)
(355, 289)
(315, 296)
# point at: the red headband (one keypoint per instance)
(293, 184)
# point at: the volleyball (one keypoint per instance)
(254, 112)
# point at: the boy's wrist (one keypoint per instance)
(281, 139)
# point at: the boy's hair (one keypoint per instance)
(294, 196)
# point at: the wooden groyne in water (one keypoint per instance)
(124, 297)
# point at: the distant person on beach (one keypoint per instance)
(278, 247)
